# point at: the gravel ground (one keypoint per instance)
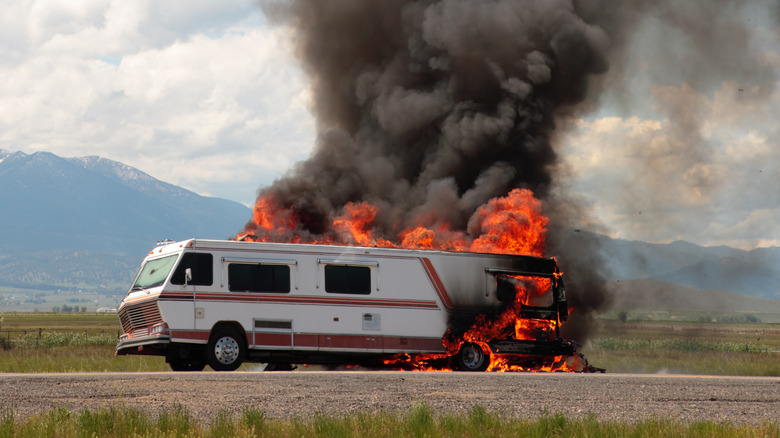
(618, 397)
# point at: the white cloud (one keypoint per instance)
(202, 94)
(757, 229)
(709, 176)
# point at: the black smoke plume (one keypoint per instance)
(428, 109)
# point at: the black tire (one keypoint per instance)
(226, 350)
(471, 357)
(187, 364)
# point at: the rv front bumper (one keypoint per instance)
(149, 344)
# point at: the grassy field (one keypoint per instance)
(90, 322)
(49, 342)
(44, 342)
(418, 421)
(686, 348)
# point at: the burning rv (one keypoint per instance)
(222, 303)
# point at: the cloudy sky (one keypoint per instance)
(199, 93)
(207, 95)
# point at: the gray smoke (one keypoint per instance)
(428, 109)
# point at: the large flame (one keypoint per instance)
(508, 225)
(512, 224)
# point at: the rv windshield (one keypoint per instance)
(154, 272)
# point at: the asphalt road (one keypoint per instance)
(616, 397)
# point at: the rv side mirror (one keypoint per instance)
(187, 276)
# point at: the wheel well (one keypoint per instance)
(233, 325)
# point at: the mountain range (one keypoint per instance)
(85, 223)
(755, 272)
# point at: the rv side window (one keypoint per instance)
(257, 277)
(202, 268)
(348, 279)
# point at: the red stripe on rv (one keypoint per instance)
(441, 291)
(306, 340)
(273, 339)
(137, 300)
(350, 342)
(400, 344)
(391, 344)
(328, 301)
(192, 335)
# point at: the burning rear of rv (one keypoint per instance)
(523, 334)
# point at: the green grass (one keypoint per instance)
(35, 340)
(61, 322)
(85, 342)
(418, 421)
(75, 359)
(48, 342)
(686, 348)
(671, 362)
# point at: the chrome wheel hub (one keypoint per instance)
(226, 350)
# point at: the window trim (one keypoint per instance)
(252, 275)
(373, 273)
(179, 264)
(226, 261)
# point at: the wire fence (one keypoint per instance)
(44, 338)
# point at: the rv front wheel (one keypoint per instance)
(225, 350)
(471, 357)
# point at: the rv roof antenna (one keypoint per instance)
(164, 242)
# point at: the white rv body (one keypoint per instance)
(313, 304)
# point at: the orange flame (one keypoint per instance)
(510, 225)
(270, 221)
(354, 225)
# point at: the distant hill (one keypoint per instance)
(648, 294)
(87, 222)
(755, 273)
(91, 203)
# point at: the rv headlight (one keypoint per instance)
(159, 328)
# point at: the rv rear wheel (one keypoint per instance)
(471, 357)
(226, 350)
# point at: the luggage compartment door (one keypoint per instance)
(272, 334)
